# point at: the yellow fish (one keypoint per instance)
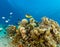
(28, 16)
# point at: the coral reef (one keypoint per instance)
(35, 34)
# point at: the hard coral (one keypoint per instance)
(11, 30)
(46, 34)
(24, 22)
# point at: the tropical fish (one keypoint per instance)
(3, 17)
(28, 16)
(11, 13)
(6, 21)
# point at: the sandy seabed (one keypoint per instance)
(4, 41)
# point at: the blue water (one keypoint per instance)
(36, 8)
(19, 8)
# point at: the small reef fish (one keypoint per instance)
(28, 16)
(3, 17)
(11, 13)
(6, 21)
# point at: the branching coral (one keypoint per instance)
(28, 34)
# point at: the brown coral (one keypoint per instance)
(46, 34)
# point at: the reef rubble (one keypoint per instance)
(35, 34)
